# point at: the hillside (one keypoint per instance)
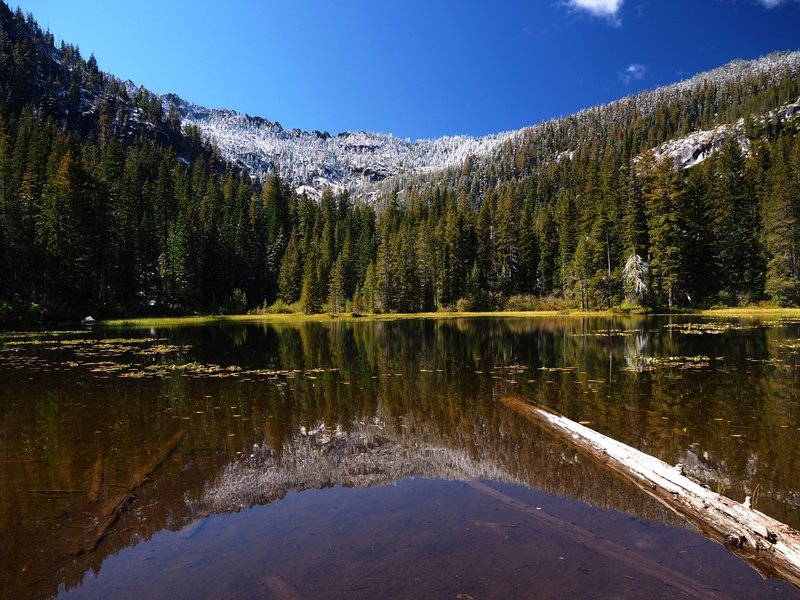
(117, 200)
(311, 161)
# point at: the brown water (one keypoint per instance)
(375, 459)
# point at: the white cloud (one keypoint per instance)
(634, 72)
(604, 8)
(773, 3)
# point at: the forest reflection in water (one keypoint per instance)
(270, 410)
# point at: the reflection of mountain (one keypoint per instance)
(73, 434)
(381, 451)
(478, 441)
(370, 454)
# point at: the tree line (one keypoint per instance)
(91, 224)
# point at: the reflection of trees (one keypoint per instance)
(431, 383)
(635, 348)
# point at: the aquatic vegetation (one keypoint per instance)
(608, 333)
(705, 328)
(793, 345)
(650, 363)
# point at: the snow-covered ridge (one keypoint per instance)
(312, 160)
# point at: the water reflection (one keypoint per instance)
(273, 409)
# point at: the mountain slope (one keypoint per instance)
(313, 160)
(310, 161)
(57, 83)
(109, 201)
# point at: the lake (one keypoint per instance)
(366, 459)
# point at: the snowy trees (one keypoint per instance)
(635, 277)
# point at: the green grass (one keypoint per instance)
(325, 317)
(753, 311)
(750, 311)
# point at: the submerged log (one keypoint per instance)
(636, 562)
(111, 510)
(769, 546)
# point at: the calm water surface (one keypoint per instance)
(377, 459)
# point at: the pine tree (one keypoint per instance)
(634, 275)
(697, 243)
(336, 297)
(736, 223)
(580, 270)
(403, 262)
(528, 251)
(384, 279)
(368, 290)
(9, 221)
(310, 293)
(782, 235)
(277, 223)
(663, 190)
(485, 243)
(291, 271)
(548, 271)
(507, 241)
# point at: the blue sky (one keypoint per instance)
(415, 68)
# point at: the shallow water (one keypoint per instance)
(376, 459)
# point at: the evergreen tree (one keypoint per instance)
(310, 294)
(696, 241)
(782, 234)
(336, 296)
(736, 222)
(291, 271)
(663, 190)
(368, 290)
(528, 251)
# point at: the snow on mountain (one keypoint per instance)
(311, 161)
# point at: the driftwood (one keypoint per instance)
(110, 511)
(769, 546)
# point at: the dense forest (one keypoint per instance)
(108, 205)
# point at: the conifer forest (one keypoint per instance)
(108, 204)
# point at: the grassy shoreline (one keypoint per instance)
(325, 317)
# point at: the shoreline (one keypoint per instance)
(742, 312)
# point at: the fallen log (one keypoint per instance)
(111, 510)
(769, 546)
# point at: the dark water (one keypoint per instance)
(377, 459)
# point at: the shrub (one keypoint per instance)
(464, 305)
(279, 307)
(528, 302)
(236, 302)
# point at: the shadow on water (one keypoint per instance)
(397, 470)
